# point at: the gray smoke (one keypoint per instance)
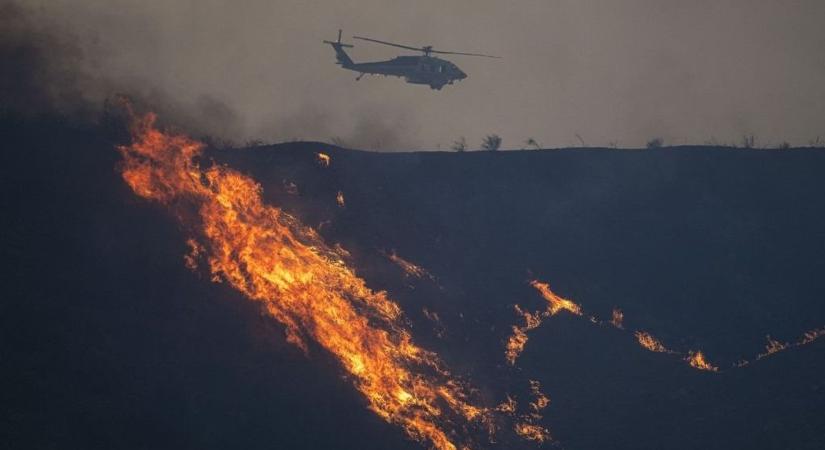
(618, 72)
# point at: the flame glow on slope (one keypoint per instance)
(271, 258)
(617, 319)
(697, 361)
(410, 269)
(773, 346)
(555, 304)
(528, 428)
(526, 423)
(323, 159)
(649, 342)
(694, 358)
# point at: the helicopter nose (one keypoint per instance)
(461, 75)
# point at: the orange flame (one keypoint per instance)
(541, 400)
(190, 260)
(410, 269)
(531, 320)
(323, 159)
(528, 428)
(518, 340)
(556, 302)
(272, 259)
(697, 361)
(617, 320)
(508, 406)
(649, 342)
(532, 432)
(515, 345)
(774, 346)
(812, 335)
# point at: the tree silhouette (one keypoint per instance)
(459, 144)
(655, 143)
(491, 142)
(532, 143)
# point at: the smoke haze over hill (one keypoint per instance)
(612, 72)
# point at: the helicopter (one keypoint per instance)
(423, 69)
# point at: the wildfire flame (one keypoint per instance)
(272, 259)
(508, 406)
(527, 426)
(617, 320)
(555, 304)
(410, 269)
(517, 341)
(323, 159)
(649, 342)
(532, 432)
(697, 361)
(811, 336)
(541, 400)
(773, 346)
(340, 199)
(515, 345)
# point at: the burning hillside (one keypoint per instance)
(402, 273)
(271, 258)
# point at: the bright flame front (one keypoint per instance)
(271, 258)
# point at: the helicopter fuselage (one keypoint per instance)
(423, 69)
(429, 70)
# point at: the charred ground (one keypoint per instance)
(108, 341)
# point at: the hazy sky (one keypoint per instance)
(611, 71)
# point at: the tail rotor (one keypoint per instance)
(340, 54)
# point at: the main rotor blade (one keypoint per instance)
(423, 49)
(465, 54)
(419, 49)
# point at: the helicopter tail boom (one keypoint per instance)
(342, 56)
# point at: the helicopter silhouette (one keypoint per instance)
(423, 69)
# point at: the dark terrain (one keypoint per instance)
(108, 341)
